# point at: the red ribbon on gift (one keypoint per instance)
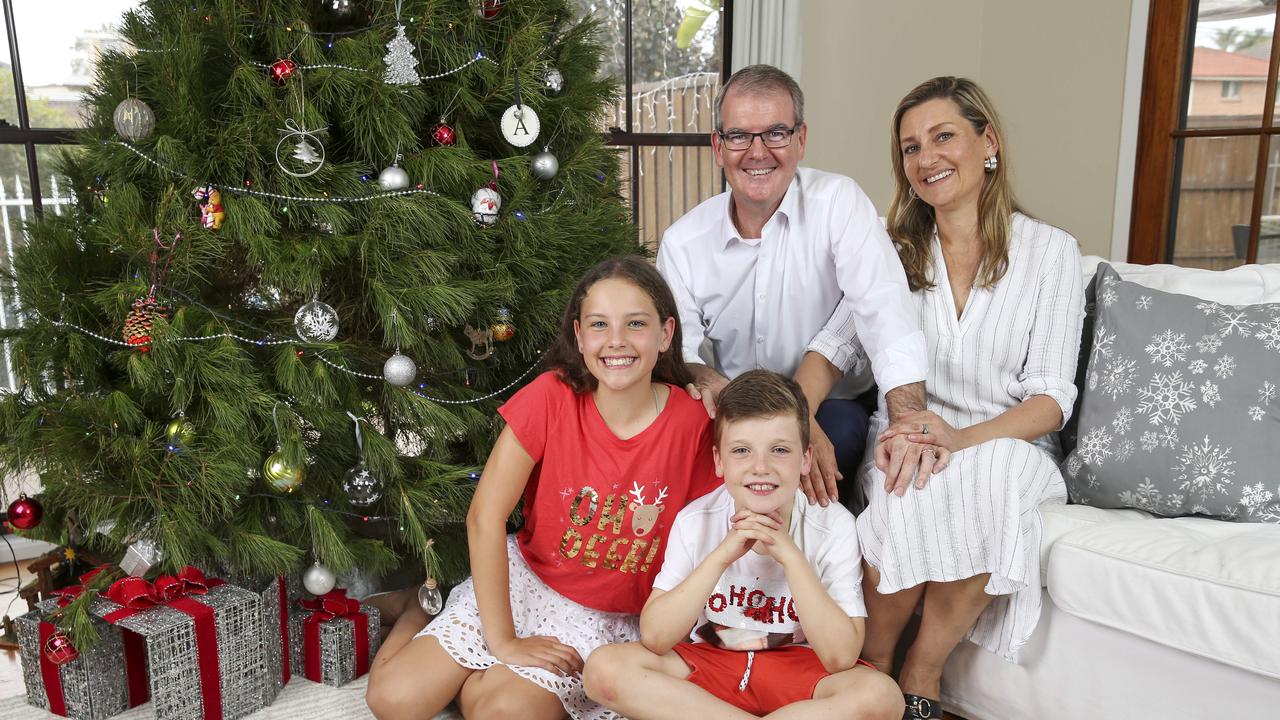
(136, 595)
(331, 605)
(49, 673)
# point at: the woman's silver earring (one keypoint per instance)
(991, 163)
(911, 192)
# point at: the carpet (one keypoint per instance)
(301, 699)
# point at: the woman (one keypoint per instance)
(1001, 303)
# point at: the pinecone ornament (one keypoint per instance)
(138, 324)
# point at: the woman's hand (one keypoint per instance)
(927, 428)
(904, 462)
(541, 651)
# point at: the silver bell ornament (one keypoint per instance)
(318, 579)
(393, 178)
(362, 487)
(429, 597)
(553, 80)
(316, 322)
(399, 370)
(544, 165)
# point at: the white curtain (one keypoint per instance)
(767, 31)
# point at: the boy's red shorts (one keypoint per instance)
(777, 677)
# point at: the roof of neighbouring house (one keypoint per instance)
(1212, 63)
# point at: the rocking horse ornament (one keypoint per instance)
(481, 342)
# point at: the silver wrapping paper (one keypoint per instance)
(173, 664)
(93, 685)
(337, 645)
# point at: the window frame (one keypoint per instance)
(634, 142)
(1167, 64)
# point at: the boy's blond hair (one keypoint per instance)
(762, 394)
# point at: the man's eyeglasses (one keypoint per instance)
(774, 138)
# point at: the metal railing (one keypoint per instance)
(15, 209)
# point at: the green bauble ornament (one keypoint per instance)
(280, 474)
(179, 433)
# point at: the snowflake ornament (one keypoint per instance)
(1143, 303)
(316, 322)
(1123, 421)
(1225, 367)
(1256, 413)
(1209, 393)
(1197, 366)
(1117, 377)
(1095, 446)
(1266, 393)
(1269, 334)
(1233, 322)
(1209, 344)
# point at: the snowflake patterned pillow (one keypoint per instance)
(1180, 412)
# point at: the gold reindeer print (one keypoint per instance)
(643, 517)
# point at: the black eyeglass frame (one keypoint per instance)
(790, 133)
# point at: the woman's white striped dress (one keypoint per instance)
(1017, 339)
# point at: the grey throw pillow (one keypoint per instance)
(1180, 411)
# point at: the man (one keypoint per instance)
(760, 270)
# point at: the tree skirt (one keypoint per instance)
(301, 699)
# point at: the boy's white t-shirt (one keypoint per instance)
(751, 607)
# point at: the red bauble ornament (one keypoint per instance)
(59, 650)
(25, 513)
(489, 9)
(444, 135)
(282, 70)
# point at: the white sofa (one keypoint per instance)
(1145, 617)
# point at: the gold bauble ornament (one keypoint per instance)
(179, 433)
(280, 474)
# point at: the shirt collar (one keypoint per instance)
(789, 210)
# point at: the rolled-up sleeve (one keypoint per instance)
(873, 321)
(1054, 349)
(673, 269)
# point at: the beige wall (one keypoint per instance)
(1055, 70)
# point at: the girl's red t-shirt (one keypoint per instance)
(597, 508)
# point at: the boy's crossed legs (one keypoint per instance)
(644, 686)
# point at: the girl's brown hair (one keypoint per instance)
(564, 356)
(911, 220)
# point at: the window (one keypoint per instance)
(48, 52)
(671, 57)
(1206, 191)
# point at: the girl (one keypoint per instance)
(605, 450)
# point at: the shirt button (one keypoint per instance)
(760, 297)
(760, 340)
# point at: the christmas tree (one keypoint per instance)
(297, 284)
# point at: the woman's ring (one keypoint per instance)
(925, 430)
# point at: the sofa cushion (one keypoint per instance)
(1181, 399)
(1198, 585)
(1061, 519)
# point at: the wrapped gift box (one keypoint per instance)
(333, 638)
(103, 681)
(203, 640)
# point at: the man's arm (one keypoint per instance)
(707, 384)
(816, 376)
(904, 399)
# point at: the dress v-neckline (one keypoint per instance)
(959, 322)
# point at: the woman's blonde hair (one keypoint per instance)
(911, 220)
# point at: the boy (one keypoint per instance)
(770, 584)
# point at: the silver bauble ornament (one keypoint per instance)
(485, 204)
(544, 165)
(318, 579)
(133, 119)
(362, 487)
(316, 322)
(340, 8)
(393, 178)
(280, 474)
(553, 80)
(399, 370)
(429, 597)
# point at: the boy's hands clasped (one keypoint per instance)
(762, 533)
